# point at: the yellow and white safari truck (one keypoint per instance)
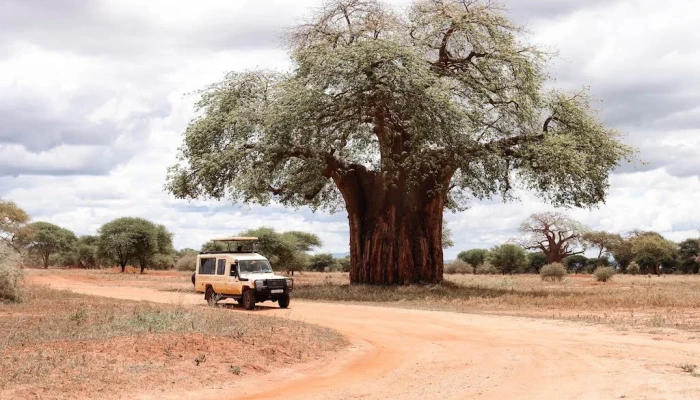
(239, 273)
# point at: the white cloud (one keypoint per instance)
(101, 87)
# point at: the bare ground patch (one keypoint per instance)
(60, 345)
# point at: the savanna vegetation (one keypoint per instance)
(59, 344)
(555, 238)
(142, 244)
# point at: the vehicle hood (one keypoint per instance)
(271, 275)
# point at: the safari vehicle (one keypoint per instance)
(239, 273)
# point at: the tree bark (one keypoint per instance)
(395, 228)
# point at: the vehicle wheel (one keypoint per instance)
(210, 296)
(193, 278)
(284, 301)
(249, 300)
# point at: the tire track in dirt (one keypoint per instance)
(414, 354)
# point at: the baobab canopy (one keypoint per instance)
(395, 116)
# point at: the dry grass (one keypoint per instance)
(669, 301)
(648, 303)
(59, 344)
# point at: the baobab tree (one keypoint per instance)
(395, 117)
(553, 233)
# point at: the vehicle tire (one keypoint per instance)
(193, 277)
(249, 299)
(284, 301)
(210, 296)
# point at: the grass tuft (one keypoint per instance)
(688, 367)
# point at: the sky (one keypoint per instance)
(95, 96)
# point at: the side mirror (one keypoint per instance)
(234, 270)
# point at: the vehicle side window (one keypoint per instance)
(207, 266)
(220, 267)
(234, 272)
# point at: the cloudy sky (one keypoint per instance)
(95, 95)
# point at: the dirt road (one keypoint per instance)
(409, 354)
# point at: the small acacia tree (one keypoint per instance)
(508, 258)
(319, 262)
(689, 254)
(86, 251)
(605, 243)
(473, 257)
(394, 117)
(536, 261)
(286, 251)
(48, 239)
(14, 229)
(652, 246)
(129, 239)
(552, 233)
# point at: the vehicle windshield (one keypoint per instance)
(254, 266)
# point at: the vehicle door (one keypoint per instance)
(234, 285)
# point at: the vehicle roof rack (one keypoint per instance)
(231, 245)
(226, 252)
(235, 239)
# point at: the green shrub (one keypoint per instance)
(487, 269)
(604, 274)
(344, 264)
(553, 272)
(161, 262)
(633, 268)
(458, 267)
(10, 275)
(187, 262)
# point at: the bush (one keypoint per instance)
(604, 274)
(187, 262)
(10, 275)
(487, 269)
(458, 267)
(67, 258)
(633, 268)
(553, 272)
(161, 262)
(344, 264)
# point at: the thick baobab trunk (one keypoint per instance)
(395, 230)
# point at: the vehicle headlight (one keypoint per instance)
(290, 283)
(260, 284)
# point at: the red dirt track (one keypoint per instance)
(412, 354)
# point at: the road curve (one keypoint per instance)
(411, 354)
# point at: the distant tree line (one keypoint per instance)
(143, 244)
(552, 237)
(544, 238)
(122, 242)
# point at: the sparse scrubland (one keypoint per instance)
(641, 301)
(58, 344)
